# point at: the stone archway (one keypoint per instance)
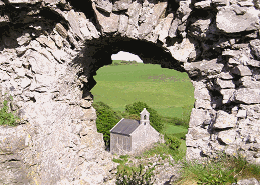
(50, 50)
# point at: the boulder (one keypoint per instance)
(220, 2)
(237, 23)
(241, 70)
(255, 48)
(251, 181)
(226, 76)
(254, 63)
(104, 5)
(133, 14)
(121, 5)
(123, 23)
(204, 68)
(184, 51)
(249, 82)
(227, 136)
(151, 21)
(73, 18)
(46, 42)
(108, 23)
(231, 53)
(228, 95)
(199, 117)
(247, 96)
(200, 27)
(163, 34)
(224, 120)
(61, 30)
(225, 84)
(198, 133)
(203, 4)
(242, 114)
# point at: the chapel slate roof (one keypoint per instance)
(126, 126)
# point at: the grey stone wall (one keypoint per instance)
(144, 136)
(50, 50)
(120, 144)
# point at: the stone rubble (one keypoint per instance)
(51, 49)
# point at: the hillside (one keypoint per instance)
(168, 91)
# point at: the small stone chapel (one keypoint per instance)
(130, 136)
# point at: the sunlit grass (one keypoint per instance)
(165, 90)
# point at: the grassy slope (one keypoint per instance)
(167, 91)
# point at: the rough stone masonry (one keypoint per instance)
(51, 49)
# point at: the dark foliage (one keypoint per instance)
(155, 118)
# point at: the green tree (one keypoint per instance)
(106, 119)
(172, 141)
(155, 118)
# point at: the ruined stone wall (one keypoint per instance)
(50, 50)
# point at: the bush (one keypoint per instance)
(6, 117)
(172, 141)
(221, 170)
(134, 175)
(155, 118)
(106, 119)
(181, 135)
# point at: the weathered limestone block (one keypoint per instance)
(204, 68)
(226, 76)
(52, 1)
(46, 42)
(224, 120)
(237, 23)
(253, 111)
(220, 2)
(123, 23)
(252, 181)
(203, 4)
(200, 27)
(201, 92)
(104, 5)
(108, 24)
(163, 34)
(254, 63)
(228, 95)
(255, 48)
(121, 5)
(23, 1)
(133, 13)
(231, 53)
(61, 30)
(92, 28)
(200, 117)
(152, 20)
(72, 18)
(40, 64)
(173, 28)
(249, 82)
(228, 136)
(241, 70)
(184, 51)
(24, 39)
(193, 153)
(84, 29)
(242, 114)
(247, 96)
(225, 84)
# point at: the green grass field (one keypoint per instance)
(168, 91)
